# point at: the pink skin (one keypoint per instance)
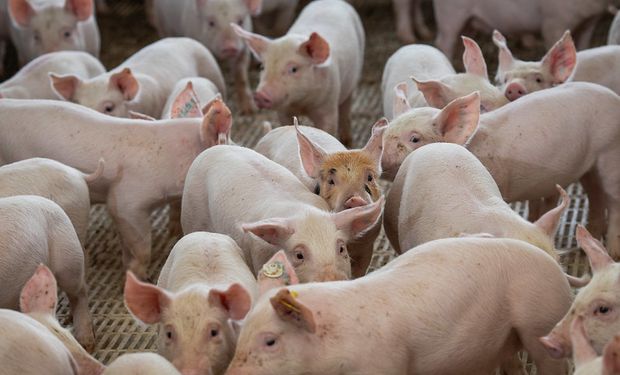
(142, 363)
(289, 328)
(51, 28)
(144, 170)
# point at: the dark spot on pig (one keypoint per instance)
(332, 171)
(367, 189)
(317, 189)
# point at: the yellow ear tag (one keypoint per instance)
(294, 294)
(289, 306)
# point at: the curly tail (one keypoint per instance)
(89, 178)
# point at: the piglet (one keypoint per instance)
(31, 81)
(586, 360)
(344, 178)
(143, 82)
(204, 283)
(141, 364)
(314, 68)
(431, 303)
(39, 27)
(275, 17)
(264, 208)
(145, 161)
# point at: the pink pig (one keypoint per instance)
(586, 360)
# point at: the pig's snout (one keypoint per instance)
(514, 91)
(554, 346)
(229, 51)
(263, 100)
(355, 201)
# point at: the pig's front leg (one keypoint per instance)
(344, 122)
(420, 25)
(240, 68)
(596, 203)
(326, 119)
(402, 13)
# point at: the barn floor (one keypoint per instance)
(124, 31)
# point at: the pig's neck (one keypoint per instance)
(150, 99)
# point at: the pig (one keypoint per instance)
(419, 303)
(521, 154)
(204, 283)
(28, 348)
(614, 30)
(141, 364)
(561, 63)
(50, 179)
(36, 230)
(38, 300)
(202, 89)
(314, 68)
(275, 17)
(145, 161)
(209, 22)
(271, 210)
(584, 356)
(42, 26)
(597, 303)
(143, 82)
(31, 82)
(344, 178)
(435, 84)
(403, 10)
(552, 17)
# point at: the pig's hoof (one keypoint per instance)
(87, 341)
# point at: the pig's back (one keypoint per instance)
(599, 65)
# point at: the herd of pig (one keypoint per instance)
(270, 277)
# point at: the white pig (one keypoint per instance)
(264, 207)
(31, 82)
(450, 306)
(313, 69)
(39, 299)
(209, 22)
(561, 63)
(141, 364)
(403, 11)
(521, 155)
(145, 161)
(344, 178)
(43, 26)
(204, 283)
(143, 82)
(614, 30)
(50, 179)
(275, 17)
(585, 358)
(36, 230)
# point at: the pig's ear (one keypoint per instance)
(21, 12)
(594, 249)
(289, 309)
(582, 350)
(459, 119)
(277, 272)
(140, 116)
(216, 124)
(64, 86)
(126, 83)
(145, 301)
(374, 146)
(257, 43)
(40, 293)
(82, 9)
(550, 221)
(310, 154)
(611, 357)
(254, 6)
(401, 103)
(356, 221)
(316, 48)
(561, 59)
(275, 231)
(235, 300)
(436, 93)
(505, 56)
(186, 104)
(473, 58)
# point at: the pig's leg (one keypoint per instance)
(512, 366)
(610, 183)
(132, 220)
(450, 23)
(420, 26)
(344, 122)
(402, 13)
(596, 202)
(174, 219)
(240, 68)
(326, 120)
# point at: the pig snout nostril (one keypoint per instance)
(355, 202)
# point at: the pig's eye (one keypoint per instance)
(271, 341)
(415, 139)
(214, 332)
(369, 178)
(261, 67)
(342, 250)
(211, 23)
(293, 69)
(169, 335)
(67, 34)
(538, 80)
(602, 310)
(108, 108)
(367, 189)
(299, 255)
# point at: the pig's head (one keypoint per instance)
(195, 333)
(213, 24)
(315, 241)
(288, 63)
(111, 95)
(50, 28)
(345, 179)
(598, 302)
(517, 78)
(38, 299)
(439, 92)
(412, 129)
